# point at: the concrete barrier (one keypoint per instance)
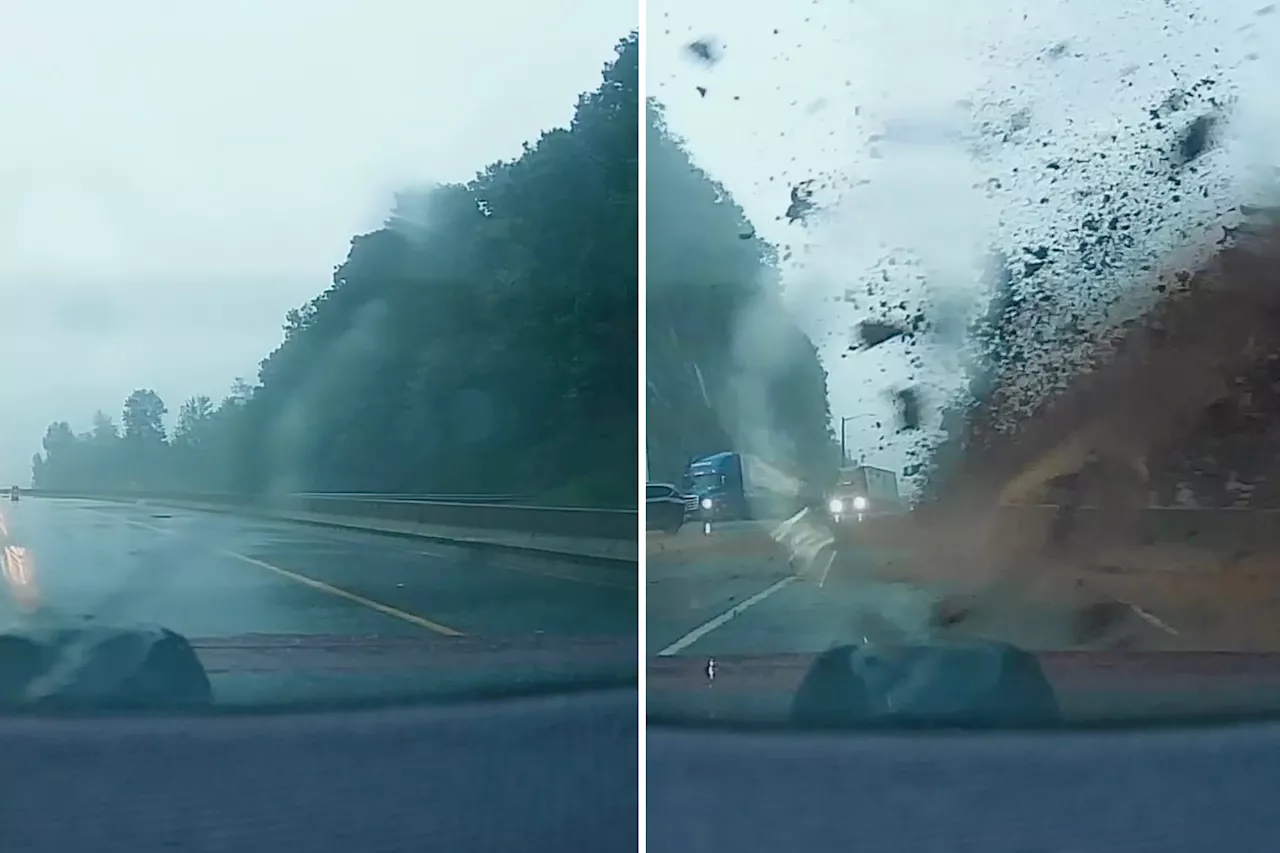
(598, 534)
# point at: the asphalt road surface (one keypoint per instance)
(731, 634)
(1153, 629)
(748, 599)
(281, 610)
(741, 603)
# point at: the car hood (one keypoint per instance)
(83, 666)
(249, 653)
(320, 670)
(1090, 685)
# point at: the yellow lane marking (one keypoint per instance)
(321, 586)
(396, 612)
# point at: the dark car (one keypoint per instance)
(665, 508)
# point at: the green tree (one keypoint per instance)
(143, 417)
(727, 366)
(62, 459)
(484, 340)
(195, 418)
(105, 433)
(144, 446)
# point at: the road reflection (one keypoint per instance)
(17, 566)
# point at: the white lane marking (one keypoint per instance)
(1152, 619)
(318, 585)
(830, 562)
(706, 628)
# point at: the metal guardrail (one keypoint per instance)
(611, 524)
(410, 497)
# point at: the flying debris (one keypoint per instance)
(801, 201)
(703, 51)
(908, 404)
(1195, 140)
(872, 333)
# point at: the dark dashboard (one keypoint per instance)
(552, 773)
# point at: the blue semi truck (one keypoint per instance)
(733, 486)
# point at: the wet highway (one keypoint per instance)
(732, 634)
(739, 603)
(748, 599)
(239, 587)
(1171, 625)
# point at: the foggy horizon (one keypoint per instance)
(161, 209)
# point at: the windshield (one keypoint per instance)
(703, 480)
(289, 294)
(1019, 261)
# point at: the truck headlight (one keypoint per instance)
(859, 503)
(706, 503)
(836, 506)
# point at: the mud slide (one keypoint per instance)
(1180, 407)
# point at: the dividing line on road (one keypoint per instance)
(349, 596)
(739, 608)
(321, 586)
(1151, 619)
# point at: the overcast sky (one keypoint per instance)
(889, 99)
(175, 176)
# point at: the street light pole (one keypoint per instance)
(844, 419)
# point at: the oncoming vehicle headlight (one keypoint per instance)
(859, 503)
(706, 503)
(836, 505)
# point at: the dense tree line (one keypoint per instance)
(727, 367)
(483, 341)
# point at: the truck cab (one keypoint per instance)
(716, 482)
(861, 489)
